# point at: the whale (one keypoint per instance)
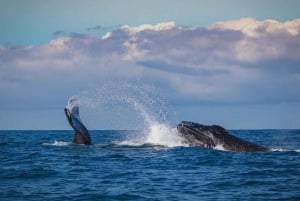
(214, 137)
(81, 135)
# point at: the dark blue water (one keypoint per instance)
(35, 167)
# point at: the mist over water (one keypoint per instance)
(150, 108)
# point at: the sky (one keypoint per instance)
(232, 63)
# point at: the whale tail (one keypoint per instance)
(81, 135)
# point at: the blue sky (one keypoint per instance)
(34, 21)
(234, 63)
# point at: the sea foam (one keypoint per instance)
(56, 143)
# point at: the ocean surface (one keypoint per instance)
(146, 165)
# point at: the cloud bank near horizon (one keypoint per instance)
(243, 61)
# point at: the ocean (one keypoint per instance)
(152, 165)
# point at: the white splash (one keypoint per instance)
(162, 134)
(157, 134)
(220, 147)
(150, 108)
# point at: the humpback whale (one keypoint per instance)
(81, 135)
(212, 136)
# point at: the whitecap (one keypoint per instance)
(129, 143)
(285, 150)
(278, 149)
(56, 143)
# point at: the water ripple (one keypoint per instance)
(46, 166)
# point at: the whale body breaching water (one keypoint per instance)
(151, 117)
(81, 135)
(188, 133)
(215, 137)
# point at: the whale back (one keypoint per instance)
(212, 136)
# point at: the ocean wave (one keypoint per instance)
(61, 170)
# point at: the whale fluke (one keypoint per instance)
(212, 136)
(81, 135)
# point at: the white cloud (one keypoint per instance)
(254, 28)
(158, 27)
(237, 61)
(263, 40)
(133, 53)
(106, 35)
